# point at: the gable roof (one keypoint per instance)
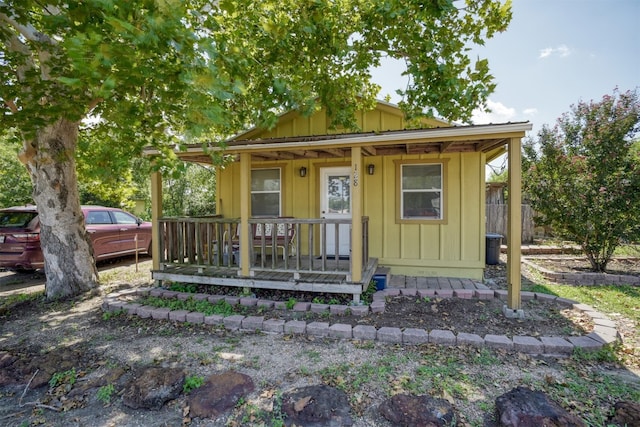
(383, 117)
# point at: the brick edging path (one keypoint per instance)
(585, 278)
(604, 331)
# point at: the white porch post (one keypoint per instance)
(245, 212)
(156, 214)
(514, 225)
(356, 214)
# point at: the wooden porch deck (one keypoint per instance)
(275, 274)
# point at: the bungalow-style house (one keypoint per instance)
(303, 207)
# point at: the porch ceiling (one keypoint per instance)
(477, 138)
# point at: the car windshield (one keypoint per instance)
(16, 219)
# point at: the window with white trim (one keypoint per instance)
(421, 191)
(265, 192)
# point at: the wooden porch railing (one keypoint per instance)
(291, 245)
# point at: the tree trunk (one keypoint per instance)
(68, 253)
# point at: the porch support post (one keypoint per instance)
(356, 214)
(514, 225)
(156, 214)
(245, 211)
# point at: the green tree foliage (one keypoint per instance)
(15, 184)
(583, 176)
(161, 73)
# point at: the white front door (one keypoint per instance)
(335, 203)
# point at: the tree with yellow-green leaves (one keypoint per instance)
(162, 73)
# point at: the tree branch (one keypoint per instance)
(12, 106)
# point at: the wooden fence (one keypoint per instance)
(497, 221)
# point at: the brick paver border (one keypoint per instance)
(604, 331)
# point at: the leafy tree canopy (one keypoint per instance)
(583, 175)
(163, 72)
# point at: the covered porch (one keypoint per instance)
(283, 253)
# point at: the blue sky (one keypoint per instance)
(554, 54)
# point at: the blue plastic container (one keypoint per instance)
(381, 281)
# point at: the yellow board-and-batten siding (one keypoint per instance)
(453, 247)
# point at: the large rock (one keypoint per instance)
(626, 414)
(219, 394)
(418, 411)
(316, 406)
(522, 407)
(150, 388)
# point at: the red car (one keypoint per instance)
(114, 233)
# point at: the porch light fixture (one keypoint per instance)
(303, 172)
(371, 169)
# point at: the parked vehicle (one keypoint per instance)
(114, 233)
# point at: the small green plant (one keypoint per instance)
(318, 300)
(67, 377)
(105, 393)
(184, 287)
(191, 383)
(108, 315)
(291, 302)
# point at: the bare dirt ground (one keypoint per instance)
(44, 339)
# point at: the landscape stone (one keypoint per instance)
(390, 335)
(340, 330)
(522, 407)
(252, 323)
(214, 319)
(318, 329)
(178, 315)
(195, 317)
(295, 327)
(556, 345)
(234, 322)
(364, 332)
(465, 338)
(424, 410)
(525, 344)
(626, 413)
(160, 313)
(317, 406)
(151, 388)
(498, 341)
(585, 343)
(219, 394)
(415, 336)
(359, 310)
(439, 336)
(273, 325)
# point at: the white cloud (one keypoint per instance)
(499, 114)
(530, 111)
(561, 51)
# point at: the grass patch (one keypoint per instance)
(621, 299)
(191, 383)
(11, 302)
